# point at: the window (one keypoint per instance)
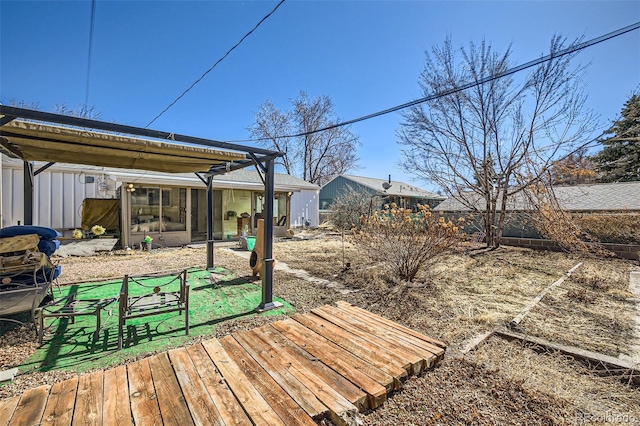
(149, 214)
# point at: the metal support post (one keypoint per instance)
(210, 223)
(267, 262)
(28, 193)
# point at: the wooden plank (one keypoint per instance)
(356, 345)
(514, 322)
(593, 359)
(290, 411)
(428, 357)
(321, 342)
(349, 306)
(88, 408)
(116, 397)
(279, 377)
(142, 395)
(341, 411)
(31, 407)
(7, 407)
(387, 329)
(475, 342)
(229, 408)
(351, 367)
(320, 378)
(416, 362)
(8, 375)
(199, 402)
(173, 406)
(371, 325)
(253, 403)
(62, 399)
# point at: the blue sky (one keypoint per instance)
(365, 55)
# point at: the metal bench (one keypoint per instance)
(70, 307)
(172, 295)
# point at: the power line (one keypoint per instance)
(93, 18)
(466, 86)
(214, 65)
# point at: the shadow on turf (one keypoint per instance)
(85, 348)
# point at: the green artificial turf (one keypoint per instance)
(71, 346)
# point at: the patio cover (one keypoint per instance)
(39, 136)
(30, 141)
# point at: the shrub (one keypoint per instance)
(405, 240)
(348, 207)
(616, 228)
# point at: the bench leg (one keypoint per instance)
(98, 325)
(120, 331)
(40, 330)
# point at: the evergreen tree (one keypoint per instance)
(619, 160)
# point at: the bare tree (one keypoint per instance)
(315, 156)
(576, 168)
(82, 111)
(487, 143)
(270, 124)
(347, 212)
(348, 208)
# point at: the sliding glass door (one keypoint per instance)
(199, 215)
(159, 210)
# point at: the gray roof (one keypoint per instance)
(247, 177)
(588, 197)
(250, 175)
(399, 189)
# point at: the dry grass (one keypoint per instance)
(462, 295)
(571, 384)
(589, 310)
(465, 294)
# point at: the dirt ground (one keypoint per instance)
(460, 296)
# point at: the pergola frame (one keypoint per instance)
(263, 159)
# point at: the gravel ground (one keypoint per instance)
(461, 296)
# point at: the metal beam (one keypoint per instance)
(258, 163)
(201, 178)
(268, 260)
(6, 119)
(28, 193)
(261, 169)
(240, 164)
(43, 168)
(222, 169)
(15, 112)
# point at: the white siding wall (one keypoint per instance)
(304, 207)
(57, 197)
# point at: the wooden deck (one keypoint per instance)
(333, 362)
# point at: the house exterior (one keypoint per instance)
(169, 207)
(598, 198)
(403, 194)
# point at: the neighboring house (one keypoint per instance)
(403, 194)
(620, 197)
(155, 203)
